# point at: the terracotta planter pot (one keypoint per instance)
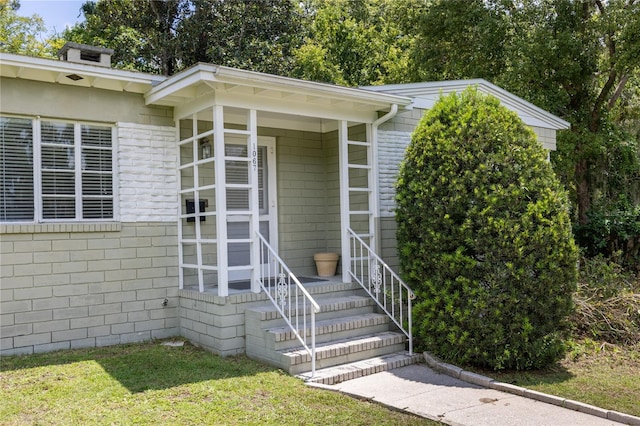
(326, 263)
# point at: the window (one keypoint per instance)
(55, 171)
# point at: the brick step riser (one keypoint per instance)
(354, 373)
(256, 335)
(344, 359)
(334, 289)
(256, 319)
(352, 333)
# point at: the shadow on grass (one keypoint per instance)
(147, 366)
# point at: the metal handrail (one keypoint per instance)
(289, 297)
(384, 286)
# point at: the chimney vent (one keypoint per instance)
(85, 54)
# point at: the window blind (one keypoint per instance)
(58, 154)
(97, 172)
(76, 170)
(16, 167)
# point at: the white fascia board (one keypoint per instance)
(295, 107)
(424, 94)
(163, 93)
(137, 82)
(310, 88)
(428, 102)
(214, 75)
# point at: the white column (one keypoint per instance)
(372, 182)
(345, 222)
(196, 203)
(254, 203)
(180, 220)
(221, 200)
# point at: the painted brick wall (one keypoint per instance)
(147, 161)
(79, 287)
(389, 242)
(302, 197)
(391, 147)
(405, 121)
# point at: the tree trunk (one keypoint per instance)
(582, 190)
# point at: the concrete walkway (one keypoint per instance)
(422, 391)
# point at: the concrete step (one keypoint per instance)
(330, 329)
(269, 317)
(333, 289)
(337, 352)
(341, 373)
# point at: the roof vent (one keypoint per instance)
(84, 54)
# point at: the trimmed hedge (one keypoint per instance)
(484, 237)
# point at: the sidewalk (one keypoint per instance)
(422, 391)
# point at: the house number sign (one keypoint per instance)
(254, 157)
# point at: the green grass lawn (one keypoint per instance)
(603, 375)
(154, 384)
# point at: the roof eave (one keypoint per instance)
(55, 71)
(213, 74)
(415, 89)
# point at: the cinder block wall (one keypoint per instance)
(81, 285)
(67, 285)
(216, 323)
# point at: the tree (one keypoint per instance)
(575, 58)
(142, 33)
(258, 35)
(457, 39)
(484, 237)
(166, 36)
(352, 43)
(19, 34)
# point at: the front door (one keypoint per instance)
(239, 253)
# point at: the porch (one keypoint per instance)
(271, 171)
(268, 158)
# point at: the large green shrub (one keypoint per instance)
(484, 237)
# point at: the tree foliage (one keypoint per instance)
(456, 39)
(258, 35)
(142, 33)
(353, 43)
(484, 237)
(165, 36)
(577, 59)
(19, 34)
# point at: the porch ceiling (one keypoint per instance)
(276, 97)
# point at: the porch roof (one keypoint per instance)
(271, 93)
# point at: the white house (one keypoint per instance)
(135, 206)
